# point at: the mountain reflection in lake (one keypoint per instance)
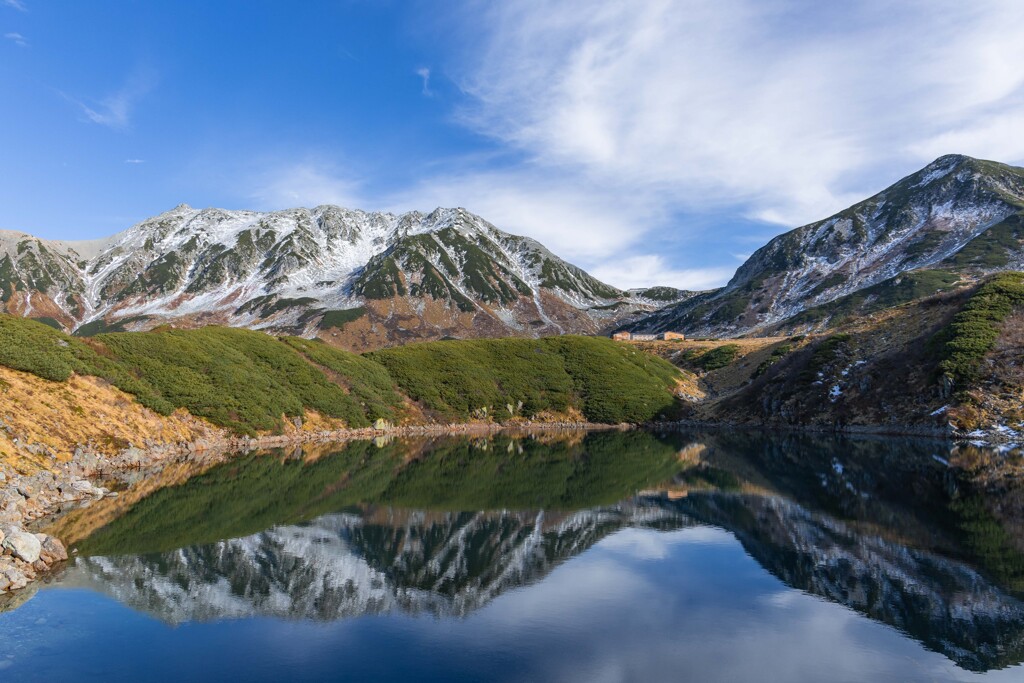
(607, 556)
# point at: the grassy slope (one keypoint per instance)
(248, 381)
(605, 381)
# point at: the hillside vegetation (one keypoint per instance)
(944, 361)
(250, 382)
(974, 331)
(605, 381)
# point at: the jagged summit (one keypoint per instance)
(379, 277)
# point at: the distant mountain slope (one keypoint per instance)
(958, 216)
(363, 279)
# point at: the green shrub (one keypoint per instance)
(606, 381)
(823, 353)
(974, 331)
(617, 383)
(337, 319)
(718, 357)
(366, 380)
(236, 378)
(33, 347)
(777, 354)
(247, 381)
(456, 378)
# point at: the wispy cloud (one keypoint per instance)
(619, 118)
(16, 4)
(791, 109)
(115, 110)
(17, 39)
(572, 220)
(611, 120)
(134, 161)
(304, 183)
(652, 269)
(424, 74)
(733, 100)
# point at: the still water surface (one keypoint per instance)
(602, 557)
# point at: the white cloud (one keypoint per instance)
(791, 110)
(304, 183)
(997, 137)
(574, 221)
(16, 4)
(652, 269)
(613, 119)
(17, 39)
(115, 110)
(134, 161)
(424, 74)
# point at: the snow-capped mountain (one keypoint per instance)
(956, 218)
(373, 278)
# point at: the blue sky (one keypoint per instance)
(651, 141)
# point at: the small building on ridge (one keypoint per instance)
(665, 336)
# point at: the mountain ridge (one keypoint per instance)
(364, 280)
(956, 215)
(288, 270)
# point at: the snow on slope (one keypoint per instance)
(281, 269)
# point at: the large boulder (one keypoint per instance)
(23, 545)
(10, 575)
(52, 550)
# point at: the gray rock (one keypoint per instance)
(86, 461)
(23, 545)
(14, 578)
(52, 549)
(132, 456)
(11, 498)
(84, 488)
(10, 514)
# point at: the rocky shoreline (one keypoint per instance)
(26, 557)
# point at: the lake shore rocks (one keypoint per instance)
(24, 556)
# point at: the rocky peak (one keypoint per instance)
(291, 270)
(957, 214)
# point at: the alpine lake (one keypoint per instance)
(601, 556)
